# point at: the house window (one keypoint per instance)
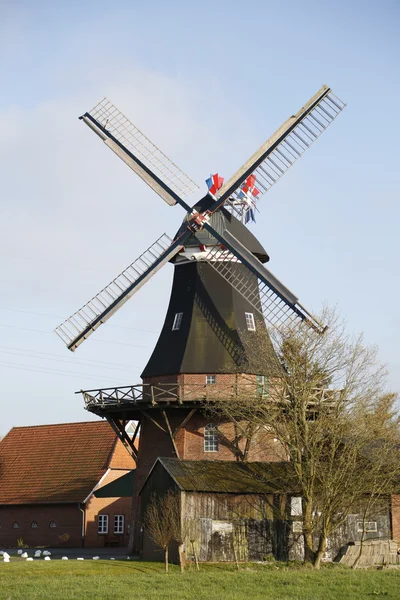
(34, 525)
(262, 385)
(367, 527)
(102, 524)
(119, 524)
(177, 321)
(250, 322)
(211, 438)
(211, 379)
(295, 506)
(16, 525)
(52, 524)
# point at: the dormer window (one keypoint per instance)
(177, 321)
(250, 322)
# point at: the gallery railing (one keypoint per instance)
(173, 393)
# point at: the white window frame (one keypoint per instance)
(211, 379)
(102, 524)
(250, 321)
(296, 506)
(177, 321)
(119, 524)
(370, 526)
(211, 438)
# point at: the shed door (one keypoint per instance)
(205, 539)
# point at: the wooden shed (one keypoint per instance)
(234, 511)
(230, 510)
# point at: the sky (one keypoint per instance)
(208, 82)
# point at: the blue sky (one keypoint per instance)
(208, 82)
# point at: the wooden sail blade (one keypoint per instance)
(267, 165)
(139, 153)
(272, 300)
(74, 330)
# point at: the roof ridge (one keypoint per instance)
(59, 424)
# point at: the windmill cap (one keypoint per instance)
(220, 221)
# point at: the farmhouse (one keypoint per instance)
(48, 475)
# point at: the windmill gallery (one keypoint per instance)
(221, 293)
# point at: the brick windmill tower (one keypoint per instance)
(221, 294)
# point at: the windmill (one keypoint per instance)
(206, 224)
(221, 290)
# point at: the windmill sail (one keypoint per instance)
(101, 307)
(139, 153)
(245, 188)
(279, 306)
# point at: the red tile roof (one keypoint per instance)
(54, 463)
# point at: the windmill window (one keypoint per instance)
(102, 524)
(211, 379)
(52, 525)
(119, 524)
(177, 321)
(250, 322)
(16, 525)
(34, 525)
(211, 438)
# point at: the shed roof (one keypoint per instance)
(54, 463)
(220, 476)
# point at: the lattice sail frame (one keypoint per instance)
(276, 310)
(123, 130)
(311, 122)
(74, 330)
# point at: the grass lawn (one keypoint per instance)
(109, 580)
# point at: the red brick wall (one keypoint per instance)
(190, 441)
(68, 519)
(120, 463)
(396, 518)
(263, 447)
(121, 459)
(110, 507)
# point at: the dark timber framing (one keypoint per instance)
(119, 426)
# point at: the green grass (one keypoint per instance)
(106, 580)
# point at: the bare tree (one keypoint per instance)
(179, 528)
(161, 521)
(327, 408)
